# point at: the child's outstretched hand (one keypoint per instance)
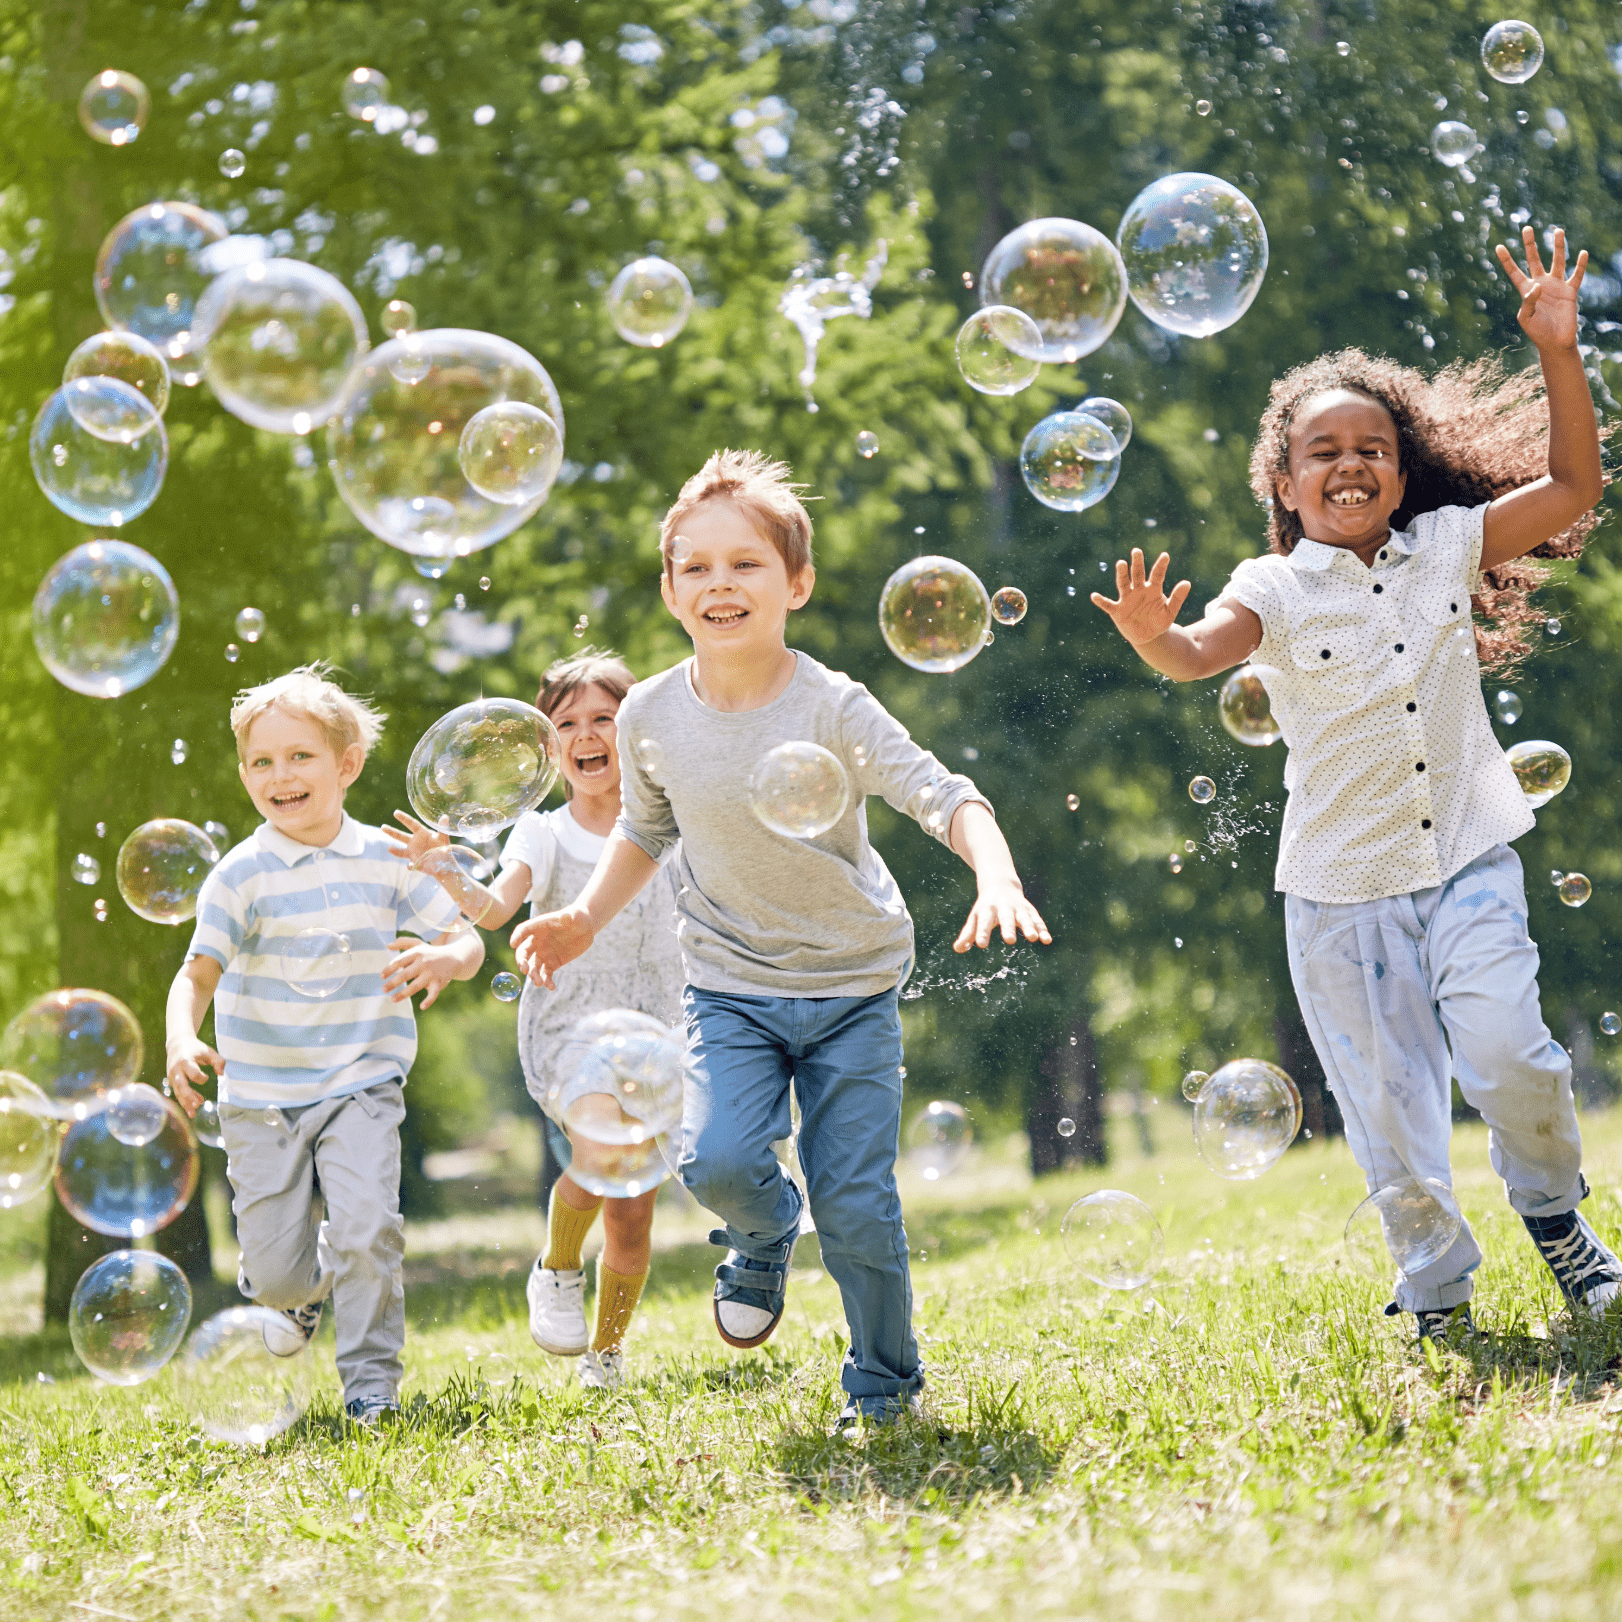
(1143, 612)
(1548, 312)
(1001, 906)
(417, 841)
(183, 1070)
(546, 943)
(419, 966)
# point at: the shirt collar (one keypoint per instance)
(349, 842)
(1314, 555)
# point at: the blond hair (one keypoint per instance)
(309, 691)
(765, 493)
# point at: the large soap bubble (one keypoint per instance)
(150, 273)
(105, 618)
(99, 451)
(1113, 1239)
(282, 338)
(135, 1114)
(128, 1313)
(1246, 710)
(396, 444)
(161, 868)
(1412, 1221)
(126, 356)
(649, 302)
(76, 1046)
(1195, 251)
(113, 107)
(799, 790)
(28, 1140)
(235, 1388)
(935, 614)
(1512, 51)
(1246, 1115)
(124, 1189)
(1067, 277)
(1070, 461)
(482, 766)
(996, 350)
(1113, 415)
(939, 1139)
(317, 963)
(1541, 768)
(511, 453)
(1454, 144)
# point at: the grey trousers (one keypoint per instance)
(316, 1192)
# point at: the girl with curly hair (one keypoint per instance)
(1402, 508)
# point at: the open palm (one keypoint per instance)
(1548, 312)
(1144, 610)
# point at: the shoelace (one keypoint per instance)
(1573, 1259)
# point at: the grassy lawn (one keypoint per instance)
(1249, 1437)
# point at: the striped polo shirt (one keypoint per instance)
(281, 1045)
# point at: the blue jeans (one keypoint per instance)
(843, 1055)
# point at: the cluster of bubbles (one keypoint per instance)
(162, 866)
(1246, 1115)
(935, 614)
(938, 1139)
(479, 768)
(799, 790)
(1541, 768)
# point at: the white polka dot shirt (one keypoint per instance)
(1395, 779)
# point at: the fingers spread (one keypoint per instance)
(1179, 595)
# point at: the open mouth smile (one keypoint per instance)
(591, 765)
(1350, 498)
(289, 802)
(725, 616)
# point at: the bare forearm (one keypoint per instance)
(466, 954)
(1574, 459)
(975, 837)
(1180, 654)
(621, 872)
(189, 996)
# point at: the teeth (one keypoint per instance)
(1349, 498)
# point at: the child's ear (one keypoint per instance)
(665, 592)
(799, 591)
(350, 763)
(1284, 492)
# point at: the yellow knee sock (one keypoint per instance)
(566, 1230)
(617, 1297)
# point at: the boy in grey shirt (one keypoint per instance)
(794, 949)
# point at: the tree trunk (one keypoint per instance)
(1068, 1090)
(1320, 1114)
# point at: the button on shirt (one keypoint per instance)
(1395, 779)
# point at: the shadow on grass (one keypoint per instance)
(1582, 1358)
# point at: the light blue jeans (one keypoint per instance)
(843, 1057)
(1387, 989)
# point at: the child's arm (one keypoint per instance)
(1000, 903)
(186, 1054)
(1523, 519)
(487, 905)
(546, 943)
(430, 966)
(1147, 618)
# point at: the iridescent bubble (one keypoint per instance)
(233, 164)
(1412, 1221)
(1066, 1127)
(1246, 1115)
(76, 1046)
(484, 582)
(511, 453)
(411, 362)
(1542, 769)
(131, 359)
(162, 866)
(1512, 51)
(1112, 414)
(505, 987)
(649, 302)
(996, 350)
(135, 1114)
(150, 273)
(113, 108)
(128, 1313)
(1072, 802)
(219, 834)
(1610, 1023)
(106, 476)
(1069, 461)
(935, 614)
(1201, 790)
(125, 1190)
(1453, 143)
(250, 624)
(1067, 277)
(398, 318)
(1175, 862)
(1552, 627)
(28, 1139)
(1343, 48)
(232, 653)
(365, 94)
(1193, 1082)
(282, 339)
(938, 1140)
(316, 962)
(206, 1124)
(1113, 1239)
(1203, 108)
(86, 869)
(1195, 251)
(395, 446)
(799, 790)
(236, 1389)
(867, 444)
(482, 766)
(1008, 605)
(1574, 889)
(1506, 705)
(1245, 709)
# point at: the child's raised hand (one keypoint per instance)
(417, 841)
(183, 1070)
(1548, 312)
(420, 966)
(1001, 907)
(1143, 611)
(546, 943)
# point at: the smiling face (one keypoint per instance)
(1343, 480)
(293, 777)
(590, 737)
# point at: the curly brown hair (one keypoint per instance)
(1466, 435)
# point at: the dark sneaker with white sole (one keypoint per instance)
(749, 1292)
(368, 1411)
(1446, 1324)
(879, 1413)
(1584, 1266)
(292, 1331)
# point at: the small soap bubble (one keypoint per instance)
(996, 350)
(250, 624)
(28, 1139)
(316, 962)
(86, 869)
(799, 790)
(420, 611)
(411, 361)
(1412, 1222)
(649, 756)
(1192, 1083)
(1008, 605)
(1610, 1023)
(232, 653)
(177, 752)
(1552, 627)
(1574, 889)
(460, 602)
(1113, 1239)
(206, 1124)
(1555, 875)
(505, 987)
(398, 318)
(1246, 710)
(867, 444)
(432, 568)
(365, 94)
(273, 1117)
(510, 452)
(1189, 847)
(127, 1190)
(135, 1114)
(130, 359)
(99, 451)
(113, 108)
(99, 907)
(162, 866)
(1072, 802)
(1542, 768)
(128, 1314)
(232, 163)
(150, 273)
(1114, 417)
(484, 582)
(1201, 790)
(1069, 461)
(934, 614)
(1067, 1127)
(235, 1387)
(1453, 143)
(1246, 1115)
(649, 302)
(1506, 705)
(482, 766)
(1175, 862)
(938, 1139)
(1067, 277)
(1512, 51)
(1203, 108)
(1343, 47)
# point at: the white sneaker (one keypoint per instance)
(288, 1333)
(557, 1310)
(603, 1371)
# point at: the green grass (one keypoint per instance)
(1247, 1438)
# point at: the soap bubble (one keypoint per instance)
(128, 1313)
(86, 869)
(867, 444)
(938, 1139)
(161, 868)
(1453, 143)
(1201, 790)
(1552, 627)
(935, 614)
(996, 350)
(505, 987)
(128, 357)
(1542, 769)
(647, 754)
(1574, 889)
(1610, 1023)
(1008, 605)
(236, 1389)
(135, 1114)
(482, 766)
(127, 1190)
(1072, 802)
(206, 1124)
(1067, 277)
(365, 94)
(75, 1045)
(1512, 51)
(398, 318)
(282, 339)
(420, 611)
(1506, 705)
(1245, 710)
(150, 274)
(219, 834)
(107, 474)
(232, 653)
(1113, 1239)
(1195, 251)
(1193, 1084)
(1246, 1115)
(113, 107)
(316, 962)
(232, 163)
(1412, 1222)
(799, 790)
(395, 446)
(250, 624)
(177, 752)
(28, 1139)
(1070, 461)
(649, 302)
(1112, 414)
(511, 452)
(1343, 48)
(1175, 862)
(1066, 1127)
(411, 362)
